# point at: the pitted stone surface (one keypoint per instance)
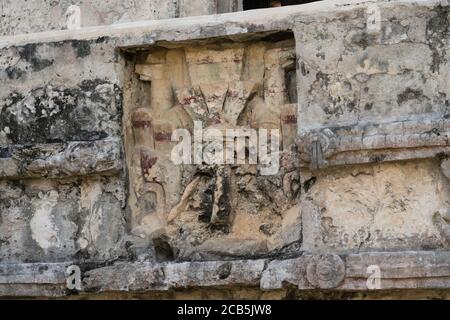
(47, 15)
(86, 118)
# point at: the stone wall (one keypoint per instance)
(86, 176)
(22, 16)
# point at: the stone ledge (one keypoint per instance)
(59, 160)
(143, 32)
(374, 142)
(399, 270)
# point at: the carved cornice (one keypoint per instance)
(59, 160)
(348, 272)
(373, 142)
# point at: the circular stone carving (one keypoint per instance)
(325, 137)
(325, 271)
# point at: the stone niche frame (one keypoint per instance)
(240, 82)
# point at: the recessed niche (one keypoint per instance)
(206, 209)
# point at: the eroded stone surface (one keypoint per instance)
(53, 220)
(213, 210)
(17, 15)
(375, 206)
(378, 96)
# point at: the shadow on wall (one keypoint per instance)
(259, 4)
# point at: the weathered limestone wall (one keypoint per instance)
(86, 179)
(22, 16)
(72, 122)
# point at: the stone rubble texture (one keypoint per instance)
(86, 118)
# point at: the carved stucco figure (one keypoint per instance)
(210, 209)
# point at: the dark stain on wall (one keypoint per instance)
(82, 48)
(29, 54)
(437, 34)
(48, 115)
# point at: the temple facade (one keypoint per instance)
(225, 149)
